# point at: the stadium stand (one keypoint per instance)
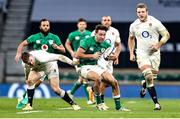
(92, 10)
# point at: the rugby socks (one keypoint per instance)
(85, 90)
(144, 84)
(75, 87)
(102, 98)
(98, 99)
(152, 93)
(30, 93)
(68, 99)
(117, 102)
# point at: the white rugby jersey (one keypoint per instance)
(146, 34)
(43, 60)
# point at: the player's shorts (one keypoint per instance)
(87, 68)
(108, 65)
(51, 70)
(153, 61)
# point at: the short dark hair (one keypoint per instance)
(42, 20)
(141, 5)
(81, 20)
(100, 27)
(25, 57)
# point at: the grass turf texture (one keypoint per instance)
(57, 108)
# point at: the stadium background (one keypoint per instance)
(20, 18)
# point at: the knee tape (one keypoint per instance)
(147, 72)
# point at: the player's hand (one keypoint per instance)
(112, 57)
(97, 55)
(17, 57)
(154, 48)
(75, 61)
(116, 62)
(55, 46)
(132, 57)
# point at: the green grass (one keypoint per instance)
(57, 108)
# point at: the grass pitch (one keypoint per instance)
(57, 108)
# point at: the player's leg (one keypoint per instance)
(143, 88)
(109, 79)
(88, 92)
(103, 88)
(76, 86)
(93, 73)
(54, 82)
(150, 86)
(32, 79)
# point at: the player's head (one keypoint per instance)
(142, 11)
(44, 26)
(106, 21)
(81, 24)
(27, 58)
(100, 33)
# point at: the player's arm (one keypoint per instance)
(117, 52)
(20, 49)
(58, 44)
(49, 57)
(131, 46)
(81, 54)
(69, 48)
(165, 37)
(60, 48)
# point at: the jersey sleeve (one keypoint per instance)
(31, 39)
(160, 26)
(71, 37)
(118, 39)
(57, 40)
(131, 30)
(84, 44)
(44, 56)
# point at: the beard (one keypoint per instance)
(45, 33)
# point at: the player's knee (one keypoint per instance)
(148, 75)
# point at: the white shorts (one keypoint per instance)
(50, 71)
(108, 65)
(87, 68)
(153, 61)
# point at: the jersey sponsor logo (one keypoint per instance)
(17, 90)
(51, 42)
(44, 47)
(145, 34)
(77, 38)
(87, 36)
(91, 48)
(38, 41)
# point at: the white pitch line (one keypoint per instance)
(27, 112)
(65, 108)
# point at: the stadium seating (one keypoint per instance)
(92, 10)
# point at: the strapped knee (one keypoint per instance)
(148, 75)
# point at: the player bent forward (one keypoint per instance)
(42, 63)
(89, 52)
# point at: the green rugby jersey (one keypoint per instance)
(91, 46)
(76, 36)
(41, 42)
